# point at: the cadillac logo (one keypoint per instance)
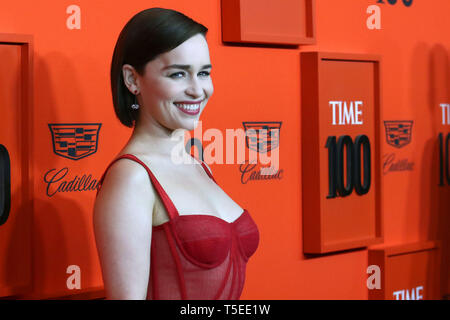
(262, 136)
(74, 140)
(398, 133)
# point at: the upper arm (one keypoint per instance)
(122, 227)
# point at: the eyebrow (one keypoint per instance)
(185, 66)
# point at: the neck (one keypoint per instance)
(150, 137)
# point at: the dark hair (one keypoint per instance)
(148, 34)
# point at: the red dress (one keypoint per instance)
(197, 256)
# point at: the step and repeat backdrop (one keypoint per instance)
(344, 107)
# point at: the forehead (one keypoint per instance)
(193, 51)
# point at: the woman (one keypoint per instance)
(166, 230)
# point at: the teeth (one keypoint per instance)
(189, 107)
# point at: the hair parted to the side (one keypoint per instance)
(148, 34)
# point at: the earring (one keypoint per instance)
(135, 105)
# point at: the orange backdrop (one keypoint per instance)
(252, 83)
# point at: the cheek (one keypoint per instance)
(209, 88)
(159, 89)
(167, 91)
(159, 98)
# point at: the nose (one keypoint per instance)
(194, 88)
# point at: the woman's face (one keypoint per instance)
(177, 85)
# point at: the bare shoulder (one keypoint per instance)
(126, 179)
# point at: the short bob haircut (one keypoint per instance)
(148, 34)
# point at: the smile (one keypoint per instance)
(188, 108)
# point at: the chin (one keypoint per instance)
(191, 127)
(191, 124)
(188, 126)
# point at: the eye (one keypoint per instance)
(176, 75)
(205, 74)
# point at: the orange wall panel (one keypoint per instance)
(341, 104)
(16, 101)
(289, 22)
(408, 272)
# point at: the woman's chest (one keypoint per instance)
(192, 191)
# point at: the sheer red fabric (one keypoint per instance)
(197, 256)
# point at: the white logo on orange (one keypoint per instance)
(415, 294)
(374, 21)
(74, 20)
(374, 281)
(74, 280)
(347, 113)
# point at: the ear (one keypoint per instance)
(130, 78)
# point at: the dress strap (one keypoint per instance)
(168, 204)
